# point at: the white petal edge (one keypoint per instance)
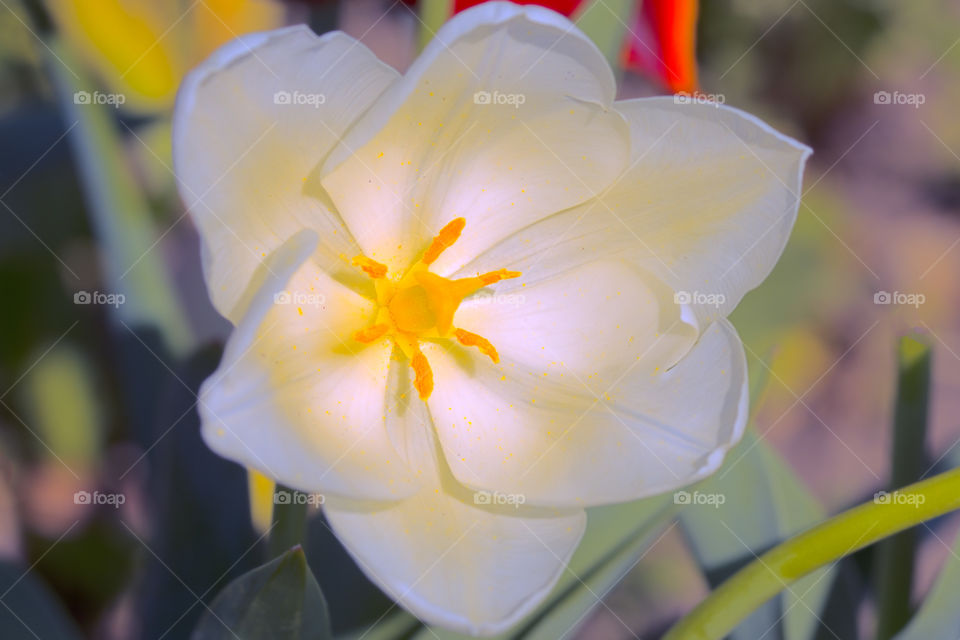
(564, 445)
(428, 151)
(473, 568)
(650, 213)
(245, 159)
(293, 398)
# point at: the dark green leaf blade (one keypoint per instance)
(280, 600)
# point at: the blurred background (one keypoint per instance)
(112, 508)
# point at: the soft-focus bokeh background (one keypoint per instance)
(90, 400)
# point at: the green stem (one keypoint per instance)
(827, 542)
(433, 13)
(289, 520)
(131, 261)
(895, 556)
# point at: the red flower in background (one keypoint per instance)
(663, 43)
(660, 43)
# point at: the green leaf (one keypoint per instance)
(761, 502)
(280, 600)
(615, 538)
(605, 22)
(30, 611)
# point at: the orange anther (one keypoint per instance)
(423, 380)
(371, 333)
(469, 339)
(497, 276)
(372, 268)
(447, 236)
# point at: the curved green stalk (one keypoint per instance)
(839, 536)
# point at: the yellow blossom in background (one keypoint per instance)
(142, 48)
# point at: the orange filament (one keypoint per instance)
(469, 339)
(421, 305)
(372, 268)
(443, 240)
(423, 380)
(371, 333)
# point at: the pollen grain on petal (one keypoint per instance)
(423, 375)
(369, 334)
(443, 240)
(371, 267)
(469, 339)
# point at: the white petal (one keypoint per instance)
(245, 157)
(429, 150)
(707, 204)
(567, 443)
(294, 396)
(452, 562)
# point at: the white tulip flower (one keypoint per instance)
(473, 299)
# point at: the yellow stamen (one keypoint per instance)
(421, 305)
(468, 339)
(423, 375)
(443, 240)
(371, 333)
(371, 267)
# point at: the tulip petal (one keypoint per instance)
(707, 205)
(504, 119)
(250, 126)
(294, 397)
(450, 556)
(576, 441)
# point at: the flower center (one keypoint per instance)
(421, 305)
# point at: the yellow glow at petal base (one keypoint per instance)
(422, 305)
